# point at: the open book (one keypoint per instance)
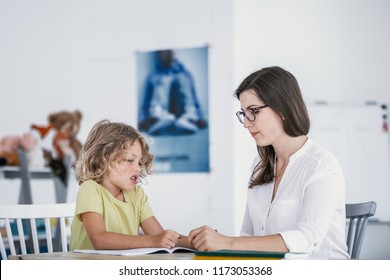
(135, 252)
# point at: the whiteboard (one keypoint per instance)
(355, 134)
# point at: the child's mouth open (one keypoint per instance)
(135, 179)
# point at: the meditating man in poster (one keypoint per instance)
(170, 106)
(173, 107)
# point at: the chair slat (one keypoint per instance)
(34, 235)
(10, 237)
(48, 235)
(351, 229)
(22, 240)
(2, 248)
(64, 240)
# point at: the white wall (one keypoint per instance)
(338, 51)
(66, 55)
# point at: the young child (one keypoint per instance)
(111, 206)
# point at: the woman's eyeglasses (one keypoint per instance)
(249, 114)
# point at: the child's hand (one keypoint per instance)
(183, 242)
(167, 239)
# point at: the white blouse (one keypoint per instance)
(308, 210)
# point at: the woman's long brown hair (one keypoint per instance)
(278, 89)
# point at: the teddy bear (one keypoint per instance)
(59, 139)
(67, 125)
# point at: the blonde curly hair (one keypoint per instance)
(106, 144)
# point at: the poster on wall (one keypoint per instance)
(173, 107)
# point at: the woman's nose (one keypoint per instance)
(247, 123)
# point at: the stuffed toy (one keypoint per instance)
(59, 138)
(9, 150)
(10, 145)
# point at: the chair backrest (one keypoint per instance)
(56, 219)
(358, 215)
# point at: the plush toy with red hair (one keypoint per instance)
(59, 137)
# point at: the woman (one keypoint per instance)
(296, 194)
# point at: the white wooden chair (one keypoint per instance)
(61, 213)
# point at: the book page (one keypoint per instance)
(132, 252)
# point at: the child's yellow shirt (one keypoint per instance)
(121, 217)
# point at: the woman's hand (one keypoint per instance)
(208, 239)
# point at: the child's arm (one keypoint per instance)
(102, 239)
(151, 226)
